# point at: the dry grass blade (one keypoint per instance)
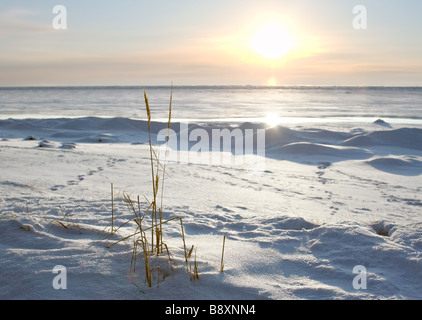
(145, 250)
(190, 252)
(147, 107)
(133, 261)
(59, 223)
(154, 190)
(168, 252)
(169, 121)
(195, 268)
(130, 203)
(164, 168)
(222, 256)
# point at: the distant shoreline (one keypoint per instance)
(136, 87)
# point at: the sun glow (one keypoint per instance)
(272, 82)
(272, 119)
(272, 42)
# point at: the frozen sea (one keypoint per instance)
(283, 105)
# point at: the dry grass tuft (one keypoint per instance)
(148, 234)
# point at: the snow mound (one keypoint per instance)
(404, 165)
(98, 124)
(69, 145)
(100, 138)
(314, 149)
(381, 122)
(391, 258)
(47, 144)
(279, 136)
(403, 137)
(290, 223)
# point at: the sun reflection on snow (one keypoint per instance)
(272, 119)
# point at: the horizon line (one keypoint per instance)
(201, 86)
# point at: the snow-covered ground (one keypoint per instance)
(326, 202)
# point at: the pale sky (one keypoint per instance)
(219, 42)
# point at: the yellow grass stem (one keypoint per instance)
(152, 165)
(164, 168)
(190, 252)
(195, 268)
(129, 201)
(139, 206)
(148, 109)
(133, 261)
(222, 256)
(155, 214)
(145, 250)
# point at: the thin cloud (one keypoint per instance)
(20, 22)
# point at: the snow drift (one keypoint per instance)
(328, 200)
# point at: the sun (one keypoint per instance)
(272, 119)
(272, 42)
